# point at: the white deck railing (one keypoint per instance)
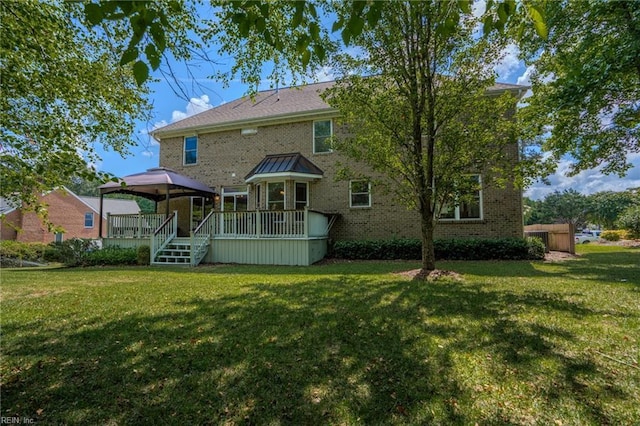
(141, 225)
(163, 235)
(254, 224)
(200, 238)
(270, 224)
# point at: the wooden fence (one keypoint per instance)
(561, 237)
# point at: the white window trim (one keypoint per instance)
(351, 194)
(226, 192)
(314, 136)
(55, 237)
(284, 188)
(295, 194)
(184, 150)
(456, 210)
(93, 220)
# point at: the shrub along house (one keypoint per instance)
(277, 199)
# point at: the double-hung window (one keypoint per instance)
(359, 193)
(322, 132)
(190, 155)
(275, 195)
(88, 220)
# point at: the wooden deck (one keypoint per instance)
(283, 237)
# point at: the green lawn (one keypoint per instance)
(348, 343)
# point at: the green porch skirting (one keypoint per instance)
(125, 242)
(267, 251)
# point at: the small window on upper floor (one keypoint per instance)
(88, 220)
(190, 155)
(322, 132)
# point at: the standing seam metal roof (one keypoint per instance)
(285, 163)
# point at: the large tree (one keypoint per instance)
(604, 208)
(63, 92)
(568, 206)
(414, 98)
(586, 82)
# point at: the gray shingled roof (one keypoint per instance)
(266, 104)
(112, 205)
(285, 163)
(290, 102)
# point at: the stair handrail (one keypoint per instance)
(200, 238)
(163, 235)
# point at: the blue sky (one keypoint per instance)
(204, 93)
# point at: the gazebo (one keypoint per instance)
(157, 184)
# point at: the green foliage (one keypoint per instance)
(33, 252)
(613, 235)
(568, 206)
(605, 207)
(445, 249)
(83, 252)
(72, 252)
(586, 83)
(63, 93)
(289, 35)
(535, 212)
(602, 208)
(143, 255)
(536, 248)
(630, 221)
(414, 127)
(111, 256)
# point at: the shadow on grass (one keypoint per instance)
(331, 350)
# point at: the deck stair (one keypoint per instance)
(177, 252)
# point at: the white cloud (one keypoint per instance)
(158, 124)
(195, 106)
(509, 64)
(324, 74)
(478, 8)
(588, 181)
(525, 78)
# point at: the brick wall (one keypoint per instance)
(66, 211)
(225, 158)
(9, 225)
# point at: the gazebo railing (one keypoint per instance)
(141, 225)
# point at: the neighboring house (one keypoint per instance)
(270, 153)
(77, 215)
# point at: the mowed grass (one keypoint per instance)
(345, 343)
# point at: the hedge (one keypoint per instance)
(449, 249)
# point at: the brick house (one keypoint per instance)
(277, 197)
(77, 215)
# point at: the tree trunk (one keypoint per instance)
(428, 252)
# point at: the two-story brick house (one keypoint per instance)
(270, 153)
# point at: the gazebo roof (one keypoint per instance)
(158, 184)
